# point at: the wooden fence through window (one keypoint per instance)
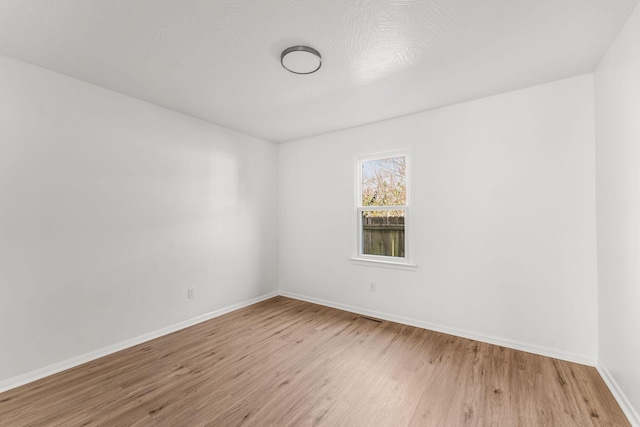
(383, 235)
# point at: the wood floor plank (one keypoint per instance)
(284, 362)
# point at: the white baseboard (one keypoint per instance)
(529, 348)
(617, 392)
(37, 374)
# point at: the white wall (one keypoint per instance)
(504, 193)
(617, 89)
(110, 208)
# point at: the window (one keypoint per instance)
(382, 208)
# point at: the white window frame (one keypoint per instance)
(407, 262)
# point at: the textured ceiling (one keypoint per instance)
(219, 59)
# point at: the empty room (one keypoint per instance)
(320, 213)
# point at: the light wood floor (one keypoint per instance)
(284, 362)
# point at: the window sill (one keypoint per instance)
(383, 263)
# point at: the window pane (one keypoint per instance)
(384, 182)
(383, 233)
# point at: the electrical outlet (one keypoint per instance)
(372, 286)
(191, 293)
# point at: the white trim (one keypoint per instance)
(516, 345)
(618, 394)
(37, 374)
(373, 262)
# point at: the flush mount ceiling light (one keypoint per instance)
(301, 59)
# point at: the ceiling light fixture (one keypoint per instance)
(301, 59)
